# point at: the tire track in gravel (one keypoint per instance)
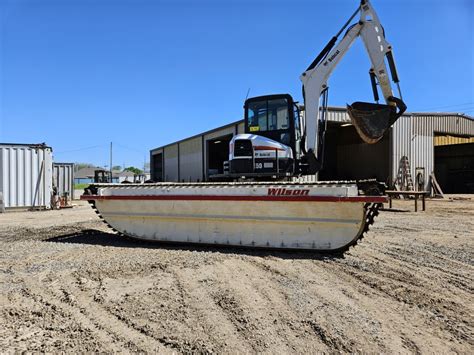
(33, 275)
(366, 297)
(39, 293)
(33, 324)
(372, 306)
(433, 251)
(429, 265)
(195, 332)
(410, 270)
(225, 336)
(123, 330)
(227, 295)
(291, 327)
(429, 306)
(314, 308)
(429, 260)
(441, 302)
(64, 295)
(423, 269)
(424, 274)
(248, 308)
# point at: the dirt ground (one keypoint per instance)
(67, 283)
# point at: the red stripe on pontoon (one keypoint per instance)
(262, 147)
(375, 199)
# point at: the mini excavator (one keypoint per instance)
(281, 141)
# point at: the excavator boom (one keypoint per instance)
(370, 120)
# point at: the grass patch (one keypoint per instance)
(80, 186)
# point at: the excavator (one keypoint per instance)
(281, 142)
(254, 209)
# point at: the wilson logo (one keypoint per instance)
(287, 192)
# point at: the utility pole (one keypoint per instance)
(110, 166)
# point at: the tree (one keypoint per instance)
(117, 167)
(134, 170)
(79, 166)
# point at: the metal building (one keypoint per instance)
(417, 136)
(63, 179)
(194, 158)
(26, 175)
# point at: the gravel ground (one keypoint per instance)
(67, 283)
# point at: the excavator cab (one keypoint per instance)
(273, 116)
(270, 148)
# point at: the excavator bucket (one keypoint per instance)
(373, 120)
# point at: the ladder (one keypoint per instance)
(404, 181)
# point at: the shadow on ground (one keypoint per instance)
(97, 237)
(394, 210)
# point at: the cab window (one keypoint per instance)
(268, 115)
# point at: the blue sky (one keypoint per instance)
(80, 74)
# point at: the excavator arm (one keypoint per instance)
(370, 120)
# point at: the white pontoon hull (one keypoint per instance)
(290, 216)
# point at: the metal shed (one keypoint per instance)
(63, 179)
(415, 136)
(26, 175)
(193, 158)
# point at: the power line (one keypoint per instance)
(80, 149)
(454, 110)
(129, 148)
(448, 106)
(465, 109)
(453, 105)
(99, 146)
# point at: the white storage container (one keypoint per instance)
(26, 175)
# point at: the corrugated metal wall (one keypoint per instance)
(26, 175)
(171, 163)
(400, 145)
(422, 147)
(63, 178)
(190, 159)
(413, 136)
(338, 114)
(451, 124)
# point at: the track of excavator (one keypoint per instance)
(371, 209)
